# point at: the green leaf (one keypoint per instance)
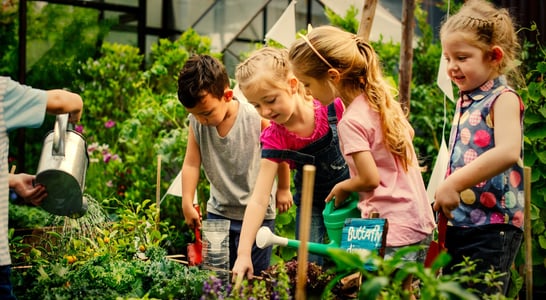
(531, 118)
(345, 260)
(371, 288)
(283, 219)
(542, 241)
(535, 132)
(455, 289)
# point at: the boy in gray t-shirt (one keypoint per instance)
(224, 139)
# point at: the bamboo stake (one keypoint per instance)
(527, 234)
(366, 20)
(304, 230)
(158, 192)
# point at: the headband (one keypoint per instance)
(315, 50)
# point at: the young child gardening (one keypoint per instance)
(374, 134)
(223, 138)
(302, 131)
(482, 194)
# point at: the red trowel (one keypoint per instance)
(195, 255)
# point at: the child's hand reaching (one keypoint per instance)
(446, 199)
(243, 267)
(192, 218)
(338, 194)
(284, 200)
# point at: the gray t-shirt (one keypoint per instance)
(232, 163)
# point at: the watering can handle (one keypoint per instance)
(59, 132)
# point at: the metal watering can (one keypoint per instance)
(62, 168)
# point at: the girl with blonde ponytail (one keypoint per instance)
(375, 136)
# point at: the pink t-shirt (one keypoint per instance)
(276, 136)
(401, 196)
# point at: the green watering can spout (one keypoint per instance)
(266, 238)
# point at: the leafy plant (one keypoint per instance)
(105, 277)
(383, 277)
(275, 284)
(534, 97)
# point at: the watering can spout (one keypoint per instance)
(266, 238)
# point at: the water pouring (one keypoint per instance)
(62, 169)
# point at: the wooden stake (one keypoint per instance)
(158, 192)
(527, 237)
(366, 21)
(304, 230)
(406, 55)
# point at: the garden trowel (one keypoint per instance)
(195, 255)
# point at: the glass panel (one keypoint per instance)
(226, 19)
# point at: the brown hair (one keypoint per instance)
(328, 47)
(485, 26)
(201, 75)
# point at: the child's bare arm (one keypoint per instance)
(61, 102)
(191, 172)
(365, 179)
(284, 198)
(254, 216)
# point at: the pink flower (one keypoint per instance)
(91, 148)
(79, 128)
(109, 124)
(106, 157)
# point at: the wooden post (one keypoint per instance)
(366, 21)
(406, 54)
(158, 192)
(304, 230)
(527, 236)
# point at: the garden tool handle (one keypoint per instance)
(197, 230)
(442, 227)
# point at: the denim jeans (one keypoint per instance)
(417, 256)
(260, 257)
(6, 288)
(490, 246)
(317, 231)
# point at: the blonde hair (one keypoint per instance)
(485, 26)
(328, 47)
(266, 67)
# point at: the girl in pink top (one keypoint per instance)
(375, 136)
(302, 131)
